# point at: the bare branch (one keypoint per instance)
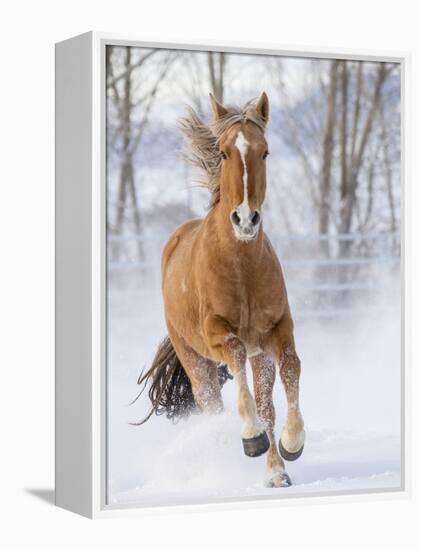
(169, 60)
(127, 72)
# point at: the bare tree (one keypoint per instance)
(302, 140)
(128, 134)
(388, 168)
(216, 66)
(335, 156)
(353, 163)
(327, 153)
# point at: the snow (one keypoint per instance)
(351, 382)
(350, 400)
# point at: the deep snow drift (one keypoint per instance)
(350, 398)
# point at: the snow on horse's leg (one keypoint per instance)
(291, 443)
(264, 372)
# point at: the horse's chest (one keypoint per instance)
(254, 313)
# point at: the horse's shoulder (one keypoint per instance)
(182, 230)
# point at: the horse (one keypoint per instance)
(224, 294)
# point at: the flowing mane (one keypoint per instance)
(202, 140)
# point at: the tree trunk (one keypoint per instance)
(216, 65)
(344, 129)
(126, 167)
(326, 168)
(344, 184)
(136, 215)
(357, 159)
(388, 170)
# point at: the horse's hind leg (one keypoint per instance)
(264, 372)
(202, 373)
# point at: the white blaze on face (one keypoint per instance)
(243, 210)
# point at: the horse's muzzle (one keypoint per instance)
(245, 230)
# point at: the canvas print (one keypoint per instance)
(253, 276)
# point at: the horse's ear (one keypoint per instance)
(218, 110)
(262, 107)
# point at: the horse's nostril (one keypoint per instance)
(235, 217)
(255, 218)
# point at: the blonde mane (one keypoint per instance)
(203, 142)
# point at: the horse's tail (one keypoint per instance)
(170, 390)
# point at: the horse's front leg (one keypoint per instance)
(291, 443)
(264, 372)
(225, 346)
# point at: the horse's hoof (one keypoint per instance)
(290, 456)
(280, 480)
(256, 446)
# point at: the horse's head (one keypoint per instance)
(243, 149)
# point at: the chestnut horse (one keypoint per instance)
(225, 297)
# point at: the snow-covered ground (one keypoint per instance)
(350, 395)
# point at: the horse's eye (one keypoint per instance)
(265, 154)
(223, 155)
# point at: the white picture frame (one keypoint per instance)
(81, 388)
